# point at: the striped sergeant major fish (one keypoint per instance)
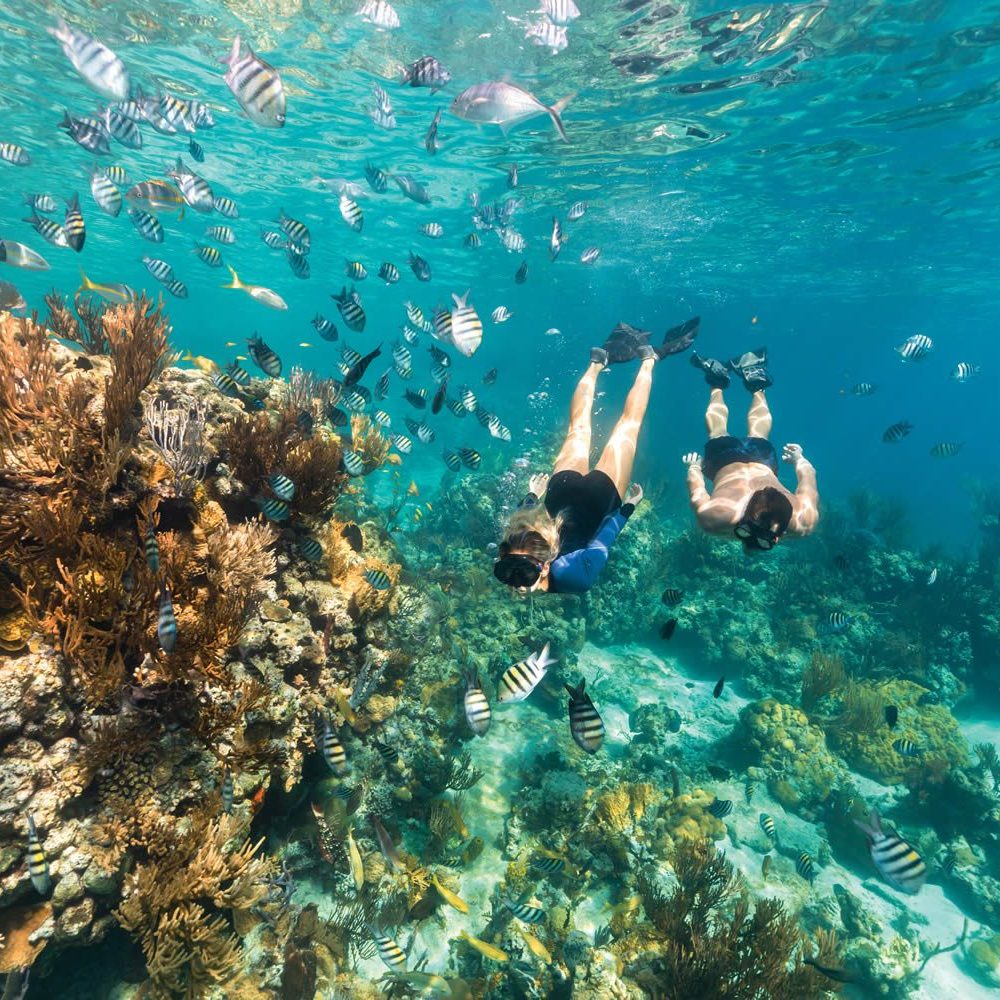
(896, 860)
(388, 950)
(331, 747)
(585, 722)
(96, 63)
(964, 371)
(560, 12)
(38, 864)
(256, 85)
(915, 348)
(166, 624)
(522, 678)
(477, 709)
(526, 912)
(895, 433)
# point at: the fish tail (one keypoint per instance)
(86, 285)
(60, 32)
(556, 111)
(234, 52)
(235, 283)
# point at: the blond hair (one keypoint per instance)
(534, 531)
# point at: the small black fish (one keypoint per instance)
(358, 369)
(719, 685)
(668, 628)
(336, 416)
(438, 401)
(522, 274)
(490, 377)
(672, 596)
(837, 975)
(891, 715)
(842, 563)
(305, 423)
(352, 533)
(197, 153)
(416, 399)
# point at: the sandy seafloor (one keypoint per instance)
(519, 732)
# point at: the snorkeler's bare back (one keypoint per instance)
(719, 512)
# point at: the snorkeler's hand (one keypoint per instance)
(633, 494)
(538, 482)
(692, 458)
(792, 453)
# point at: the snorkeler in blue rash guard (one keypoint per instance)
(562, 543)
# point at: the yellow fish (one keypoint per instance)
(449, 897)
(354, 858)
(537, 948)
(242, 357)
(417, 514)
(305, 344)
(628, 906)
(488, 950)
(265, 296)
(413, 490)
(112, 292)
(429, 507)
(207, 365)
(230, 343)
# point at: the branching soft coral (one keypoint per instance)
(713, 942)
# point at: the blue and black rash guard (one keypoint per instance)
(576, 572)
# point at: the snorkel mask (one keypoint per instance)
(517, 570)
(765, 520)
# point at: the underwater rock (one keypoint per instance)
(981, 956)
(652, 724)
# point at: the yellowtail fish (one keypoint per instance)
(38, 864)
(265, 296)
(484, 948)
(231, 343)
(449, 897)
(207, 365)
(156, 196)
(110, 292)
(535, 946)
(18, 255)
(305, 344)
(427, 984)
(629, 905)
(354, 859)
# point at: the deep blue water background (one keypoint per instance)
(846, 201)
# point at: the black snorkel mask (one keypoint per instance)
(753, 535)
(517, 570)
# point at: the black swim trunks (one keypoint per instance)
(584, 501)
(723, 451)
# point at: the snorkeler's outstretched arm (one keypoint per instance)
(806, 513)
(698, 494)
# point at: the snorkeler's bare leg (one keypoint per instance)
(619, 453)
(717, 415)
(575, 452)
(759, 417)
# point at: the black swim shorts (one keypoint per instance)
(723, 451)
(584, 501)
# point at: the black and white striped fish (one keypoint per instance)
(380, 13)
(721, 808)
(452, 460)
(468, 398)
(497, 429)
(159, 269)
(295, 230)
(122, 129)
(389, 273)
(201, 114)
(275, 240)
(389, 951)
(560, 12)
(906, 748)
(382, 385)
(225, 383)
(477, 709)
(221, 234)
(49, 230)
(460, 326)
(350, 212)
(896, 432)
(401, 443)
(256, 85)
(915, 348)
(424, 433)
(513, 241)
(298, 262)
(104, 192)
(767, 825)
(324, 327)
(526, 912)
(166, 623)
(384, 119)
(195, 150)
(472, 241)
(271, 508)
(95, 62)
(839, 621)
(87, 132)
(195, 190)
(226, 206)
(38, 864)
(896, 860)
(378, 179)
(590, 255)
(522, 678)
(309, 548)
(805, 866)
(382, 418)
(73, 224)
(283, 487)
(501, 314)
(426, 72)
(11, 152)
(946, 449)
(210, 255)
(241, 375)
(39, 202)
(332, 749)
(146, 225)
(349, 305)
(265, 358)
(547, 865)
(354, 464)
(964, 371)
(863, 389)
(585, 723)
(577, 211)
(543, 32)
(355, 270)
(556, 239)
(377, 579)
(175, 111)
(176, 288)
(471, 458)
(227, 791)
(433, 230)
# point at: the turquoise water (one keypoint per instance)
(817, 178)
(843, 197)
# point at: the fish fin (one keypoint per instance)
(555, 113)
(61, 32)
(234, 52)
(235, 283)
(85, 283)
(460, 302)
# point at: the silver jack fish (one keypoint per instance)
(505, 104)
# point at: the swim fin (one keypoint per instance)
(715, 371)
(752, 368)
(679, 338)
(624, 343)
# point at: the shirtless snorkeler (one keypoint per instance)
(747, 498)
